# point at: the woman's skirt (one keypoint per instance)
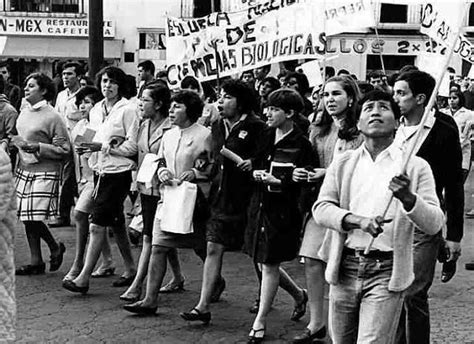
(195, 240)
(37, 194)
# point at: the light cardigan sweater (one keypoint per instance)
(333, 204)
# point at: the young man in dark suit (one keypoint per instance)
(439, 146)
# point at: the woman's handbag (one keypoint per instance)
(176, 211)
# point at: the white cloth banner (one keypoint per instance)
(176, 212)
(441, 20)
(271, 32)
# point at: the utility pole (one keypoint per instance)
(96, 36)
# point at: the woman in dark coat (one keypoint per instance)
(274, 215)
(238, 130)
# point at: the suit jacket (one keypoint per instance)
(442, 150)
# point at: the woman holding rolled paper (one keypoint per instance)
(234, 141)
(274, 216)
(185, 159)
(335, 133)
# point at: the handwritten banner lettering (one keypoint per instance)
(263, 34)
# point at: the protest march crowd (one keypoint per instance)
(260, 164)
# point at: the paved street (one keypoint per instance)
(48, 313)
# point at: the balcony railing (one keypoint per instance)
(44, 6)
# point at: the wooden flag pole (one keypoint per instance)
(218, 81)
(425, 114)
(378, 41)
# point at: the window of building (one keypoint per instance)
(48, 6)
(392, 63)
(152, 40)
(390, 13)
(204, 7)
(128, 57)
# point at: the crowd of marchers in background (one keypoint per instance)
(277, 168)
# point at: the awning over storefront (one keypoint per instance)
(55, 48)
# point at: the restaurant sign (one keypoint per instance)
(44, 26)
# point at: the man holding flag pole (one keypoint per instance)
(367, 288)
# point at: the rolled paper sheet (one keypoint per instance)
(231, 155)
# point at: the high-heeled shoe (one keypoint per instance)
(307, 337)
(71, 275)
(130, 297)
(256, 336)
(196, 315)
(137, 308)
(71, 286)
(300, 308)
(101, 272)
(171, 287)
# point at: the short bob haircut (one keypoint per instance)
(273, 82)
(301, 79)
(116, 75)
(192, 101)
(460, 95)
(88, 91)
(376, 95)
(246, 98)
(45, 84)
(160, 94)
(286, 99)
(419, 82)
(190, 81)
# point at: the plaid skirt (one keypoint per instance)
(37, 194)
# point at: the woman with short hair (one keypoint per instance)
(112, 120)
(153, 106)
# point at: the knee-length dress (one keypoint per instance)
(275, 218)
(231, 187)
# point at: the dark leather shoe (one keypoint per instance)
(254, 308)
(307, 338)
(196, 315)
(27, 270)
(300, 308)
(469, 266)
(56, 261)
(71, 286)
(123, 281)
(218, 290)
(449, 269)
(137, 308)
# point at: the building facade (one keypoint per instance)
(38, 34)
